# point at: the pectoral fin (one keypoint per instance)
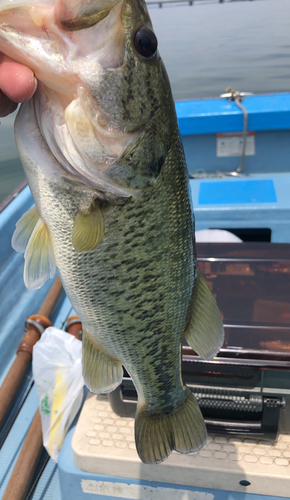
(32, 237)
(39, 257)
(101, 372)
(89, 229)
(205, 333)
(24, 228)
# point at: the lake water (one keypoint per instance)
(206, 48)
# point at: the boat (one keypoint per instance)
(237, 150)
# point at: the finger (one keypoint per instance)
(6, 105)
(16, 80)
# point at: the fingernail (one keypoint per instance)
(35, 85)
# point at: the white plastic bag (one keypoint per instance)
(57, 371)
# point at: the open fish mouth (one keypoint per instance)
(99, 106)
(73, 16)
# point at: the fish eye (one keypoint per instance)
(145, 42)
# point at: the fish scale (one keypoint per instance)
(107, 293)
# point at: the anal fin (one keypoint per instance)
(101, 373)
(205, 333)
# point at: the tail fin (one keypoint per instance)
(157, 434)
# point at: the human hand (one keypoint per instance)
(17, 84)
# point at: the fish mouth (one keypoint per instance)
(74, 17)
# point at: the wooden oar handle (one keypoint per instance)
(51, 298)
(36, 325)
(27, 460)
(74, 327)
(23, 471)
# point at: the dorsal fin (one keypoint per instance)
(24, 228)
(205, 333)
(39, 257)
(89, 229)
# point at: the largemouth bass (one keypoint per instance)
(100, 147)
